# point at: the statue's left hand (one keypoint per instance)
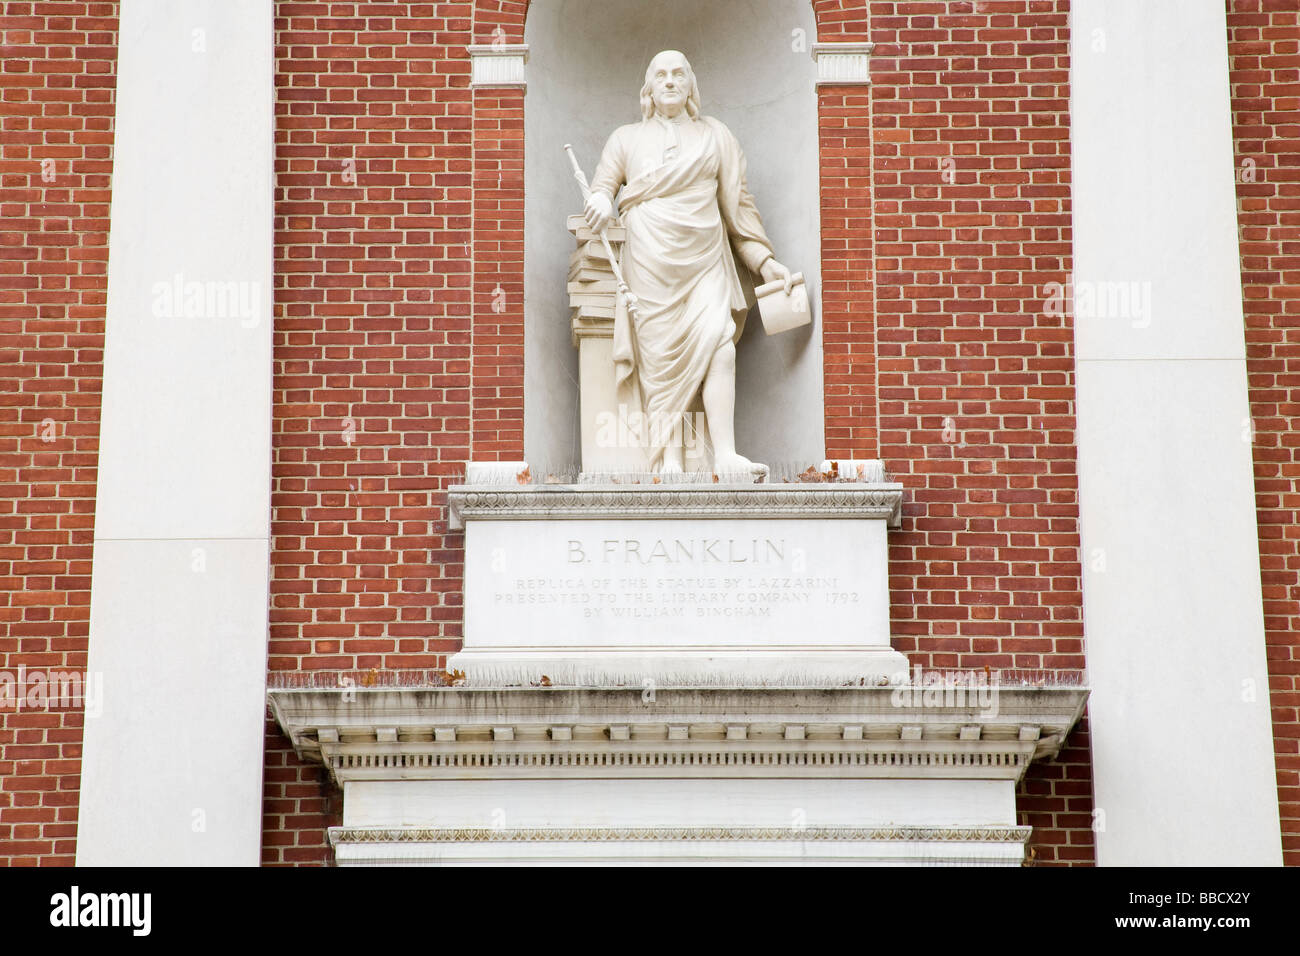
(771, 271)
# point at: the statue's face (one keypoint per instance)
(670, 82)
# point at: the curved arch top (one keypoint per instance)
(836, 19)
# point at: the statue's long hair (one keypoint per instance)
(647, 90)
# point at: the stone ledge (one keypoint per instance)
(882, 500)
(862, 732)
(684, 665)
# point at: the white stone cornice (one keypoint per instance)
(498, 64)
(776, 774)
(593, 501)
(859, 732)
(842, 63)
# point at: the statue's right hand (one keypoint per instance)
(598, 211)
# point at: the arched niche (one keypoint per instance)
(586, 64)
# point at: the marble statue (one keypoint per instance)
(690, 221)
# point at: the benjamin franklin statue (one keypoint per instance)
(689, 216)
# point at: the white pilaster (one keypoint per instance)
(1172, 603)
(172, 770)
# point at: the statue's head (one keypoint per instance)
(669, 86)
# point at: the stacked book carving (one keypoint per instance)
(592, 287)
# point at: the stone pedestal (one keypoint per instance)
(649, 583)
(608, 423)
(610, 417)
(610, 428)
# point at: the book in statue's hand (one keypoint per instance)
(782, 311)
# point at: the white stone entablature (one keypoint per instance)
(706, 774)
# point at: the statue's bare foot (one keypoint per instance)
(738, 468)
(670, 467)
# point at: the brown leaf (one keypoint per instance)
(525, 476)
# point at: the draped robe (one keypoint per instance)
(684, 204)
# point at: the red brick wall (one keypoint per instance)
(498, 339)
(498, 264)
(374, 171)
(971, 221)
(1264, 64)
(56, 97)
(848, 319)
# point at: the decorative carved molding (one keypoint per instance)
(591, 501)
(860, 732)
(498, 65)
(360, 762)
(989, 834)
(843, 64)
